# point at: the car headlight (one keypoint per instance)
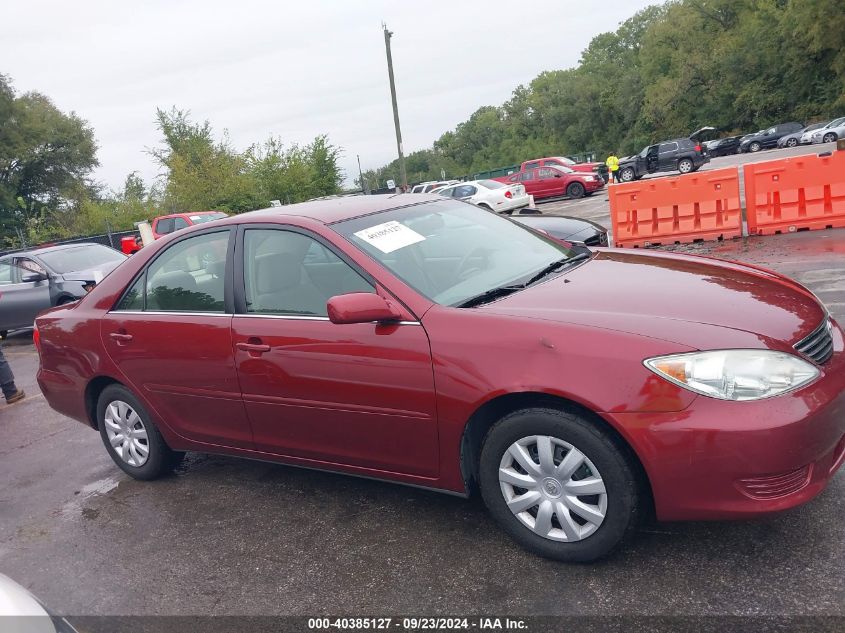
(589, 178)
(740, 374)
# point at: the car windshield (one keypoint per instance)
(491, 184)
(452, 252)
(199, 218)
(82, 257)
(644, 152)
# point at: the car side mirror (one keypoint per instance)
(361, 307)
(33, 277)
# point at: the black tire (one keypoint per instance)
(624, 491)
(161, 459)
(575, 190)
(755, 147)
(830, 137)
(791, 142)
(686, 166)
(627, 175)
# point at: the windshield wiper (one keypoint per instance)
(555, 265)
(489, 295)
(501, 291)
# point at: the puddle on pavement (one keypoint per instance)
(74, 509)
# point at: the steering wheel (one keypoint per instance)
(465, 268)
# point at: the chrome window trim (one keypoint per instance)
(286, 317)
(174, 313)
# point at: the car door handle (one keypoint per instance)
(121, 338)
(256, 348)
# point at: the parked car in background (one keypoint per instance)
(490, 194)
(566, 228)
(797, 138)
(563, 161)
(555, 181)
(34, 280)
(685, 155)
(431, 185)
(422, 340)
(723, 146)
(167, 224)
(768, 138)
(831, 132)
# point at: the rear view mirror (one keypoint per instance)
(361, 307)
(33, 277)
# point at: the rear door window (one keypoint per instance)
(187, 277)
(5, 273)
(164, 226)
(180, 223)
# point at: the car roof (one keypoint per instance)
(40, 250)
(339, 209)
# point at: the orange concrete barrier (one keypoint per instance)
(689, 208)
(798, 193)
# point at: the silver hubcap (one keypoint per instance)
(126, 433)
(685, 167)
(552, 488)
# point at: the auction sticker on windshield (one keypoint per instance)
(390, 236)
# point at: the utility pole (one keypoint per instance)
(402, 175)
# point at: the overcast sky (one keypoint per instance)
(290, 69)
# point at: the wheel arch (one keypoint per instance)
(491, 411)
(92, 395)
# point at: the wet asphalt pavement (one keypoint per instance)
(228, 536)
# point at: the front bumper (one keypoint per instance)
(726, 460)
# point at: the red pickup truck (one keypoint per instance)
(563, 161)
(166, 224)
(554, 181)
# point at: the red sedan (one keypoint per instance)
(555, 181)
(432, 343)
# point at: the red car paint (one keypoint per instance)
(180, 221)
(551, 181)
(393, 401)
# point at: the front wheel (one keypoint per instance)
(792, 142)
(754, 147)
(558, 485)
(627, 174)
(685, 165)
(575, 190)
(131, 437)
(830, 137)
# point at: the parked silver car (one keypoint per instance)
(34, 280)
(830, 132)
(797, 138)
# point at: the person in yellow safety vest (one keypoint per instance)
(612, 163)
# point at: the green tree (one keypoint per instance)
(46, 158)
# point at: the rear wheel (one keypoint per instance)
(830, 137)
(685, 165)
(754, 147)
(131, 437)
(558, 485)
(3, 335)
(575, 190)
(791, 142)
(627, 174)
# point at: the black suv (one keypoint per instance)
(768, 138)
(681, 154)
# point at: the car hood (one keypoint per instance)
(694, 301)
(94, 274)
